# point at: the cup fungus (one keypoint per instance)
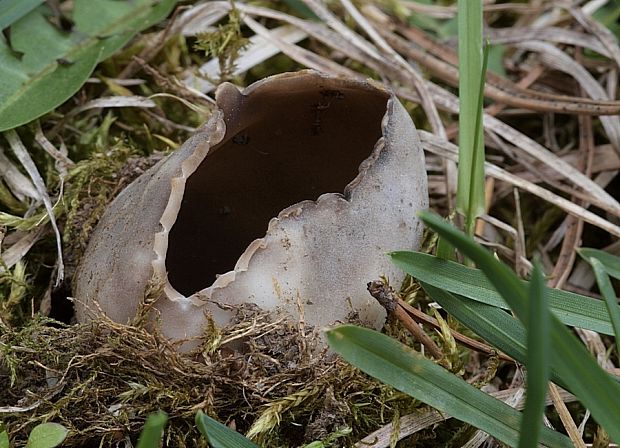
(289, 196)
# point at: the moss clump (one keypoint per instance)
(102, 379)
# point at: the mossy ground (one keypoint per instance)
(102, 379)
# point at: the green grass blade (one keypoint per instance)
(570, 359)
(610, 262)
(408, 371)
(470, 191)
(572, 309)
(476, 202)
(220, 436)
(153, 430)
(607, 291)
(537, 363)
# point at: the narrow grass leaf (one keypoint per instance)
(4, 439)
(570, 359)
(537, 360)
(13, 10)
(408, 371)
(470, 192)
(476, 179)
(611, 263)
(608, 293)
(572, 309)
(219, 435)
(47, 435)
(153, 430)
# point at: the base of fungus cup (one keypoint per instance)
(318, 252)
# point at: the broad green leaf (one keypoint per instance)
(34, 97)
(610, 262)
(569, 358)
(46, 435)
(607, 291)
(470, 188)
(13, 10)
(572, 309)
(4, 439)
(153, 430)
(537, 363)
(44, 66)
(408, 371)
(220, 436)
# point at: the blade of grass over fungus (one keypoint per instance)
(537, 360)
(153, 430)
(572, 309)
(607, 291)
(594, 387)
(470, 192)
(219, 435)
(610, 262)
(408, 371)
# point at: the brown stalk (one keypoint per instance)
(411, 318)
(388, 300)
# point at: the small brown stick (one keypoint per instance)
(468, 342)
(408, 315)
(387, 298)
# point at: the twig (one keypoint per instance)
(478, 346)
(388, 300)
(411, 317)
